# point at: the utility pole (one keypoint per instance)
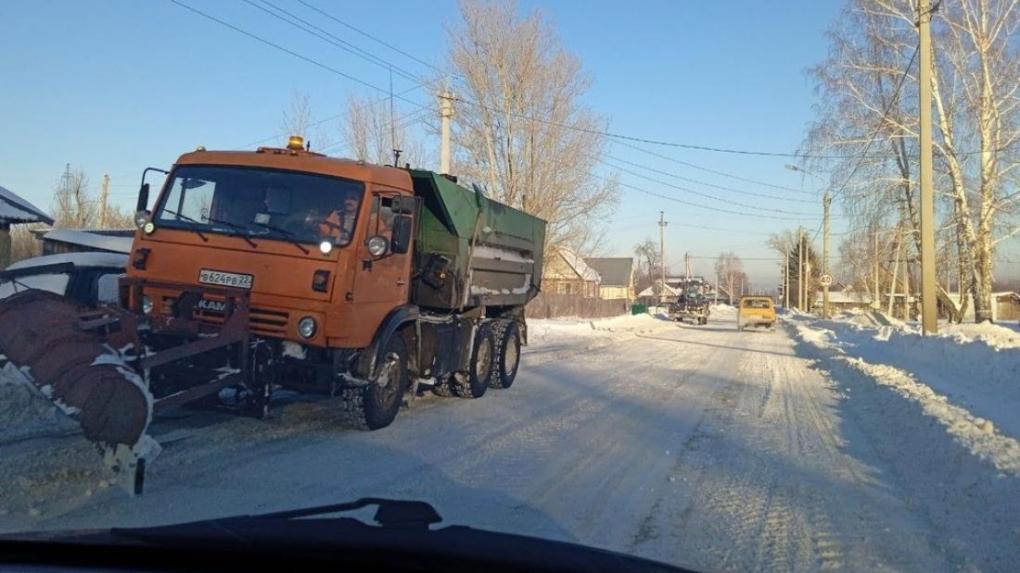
(876, 303)
(445, 114)
(104, 201)
(929, 318)
(826, 201)
(786, 279)
(800, 269)
(895, 269)
(662, 254)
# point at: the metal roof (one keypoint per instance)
(615, 271)
(14, 209)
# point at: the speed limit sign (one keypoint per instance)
(825, 280)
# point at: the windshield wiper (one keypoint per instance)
(288, 234)
(190, 220)
(241, 231)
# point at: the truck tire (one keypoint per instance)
(480, 368)
(375, 406)
(508, 354)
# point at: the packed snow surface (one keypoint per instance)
(821, 445)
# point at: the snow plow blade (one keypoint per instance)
(51, 340)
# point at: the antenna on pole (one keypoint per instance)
(393, 126)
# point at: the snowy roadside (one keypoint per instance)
(965, 379)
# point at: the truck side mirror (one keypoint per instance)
(401, 240)
(404, 205)
(143, 197)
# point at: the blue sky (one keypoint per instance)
(119, 85)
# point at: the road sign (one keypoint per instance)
(825, 280)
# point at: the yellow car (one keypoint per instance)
(756, 311)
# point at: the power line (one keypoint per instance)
(712, 185)
(328, 37)
(714, 171)
(692, 204)
(707, 195)
(369, 36)
(302, 57)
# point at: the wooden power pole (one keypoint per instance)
(662, 254)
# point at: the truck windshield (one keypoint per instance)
(261, 202)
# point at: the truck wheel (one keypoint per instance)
(480, 368)
(375, 406)
(508, 356)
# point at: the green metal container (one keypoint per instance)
(472, 251)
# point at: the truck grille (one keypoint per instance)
(260, 320)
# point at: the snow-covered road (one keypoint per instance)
(692, 445)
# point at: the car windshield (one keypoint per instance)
(732, 285)
(261, 202)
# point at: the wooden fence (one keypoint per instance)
(552, 305)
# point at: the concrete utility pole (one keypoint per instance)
(876, 303)
(104, 201)
(445, 114)
(662, 254)
(800, 269)
(826, 201)
(786, 279)
(929, 318)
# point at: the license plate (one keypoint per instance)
(220, 278)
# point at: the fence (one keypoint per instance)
(552, 305)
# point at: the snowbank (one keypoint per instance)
(968, 386)
(542, 331)
(25, 411)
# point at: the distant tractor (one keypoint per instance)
(692, 304)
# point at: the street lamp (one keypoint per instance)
(826, 201)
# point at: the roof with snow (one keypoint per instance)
(580, 267)
(95, 259)
(93, 241)
(14, 209)
(651, 291)
(615, 271)
(846, 297)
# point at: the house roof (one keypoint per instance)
(650, 291)
(93, 241)
(846, 297)
(615, 271)
(14, 209)
(579, 266)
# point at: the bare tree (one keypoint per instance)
(372, 134)
(519, 125)
(297, 118)
(73, 204)
(975, 81)
(729, 270)
(648, 264)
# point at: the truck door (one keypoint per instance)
(381, 281)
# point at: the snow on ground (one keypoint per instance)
(977, 434)
(694, 445)
(976, 367)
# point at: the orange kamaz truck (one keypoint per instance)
(284, 268)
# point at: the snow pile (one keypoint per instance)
(24, 410)
(558, 329)
(978, 434)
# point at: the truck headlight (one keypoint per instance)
(377, 245)
(306, 327)
(146, 304)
